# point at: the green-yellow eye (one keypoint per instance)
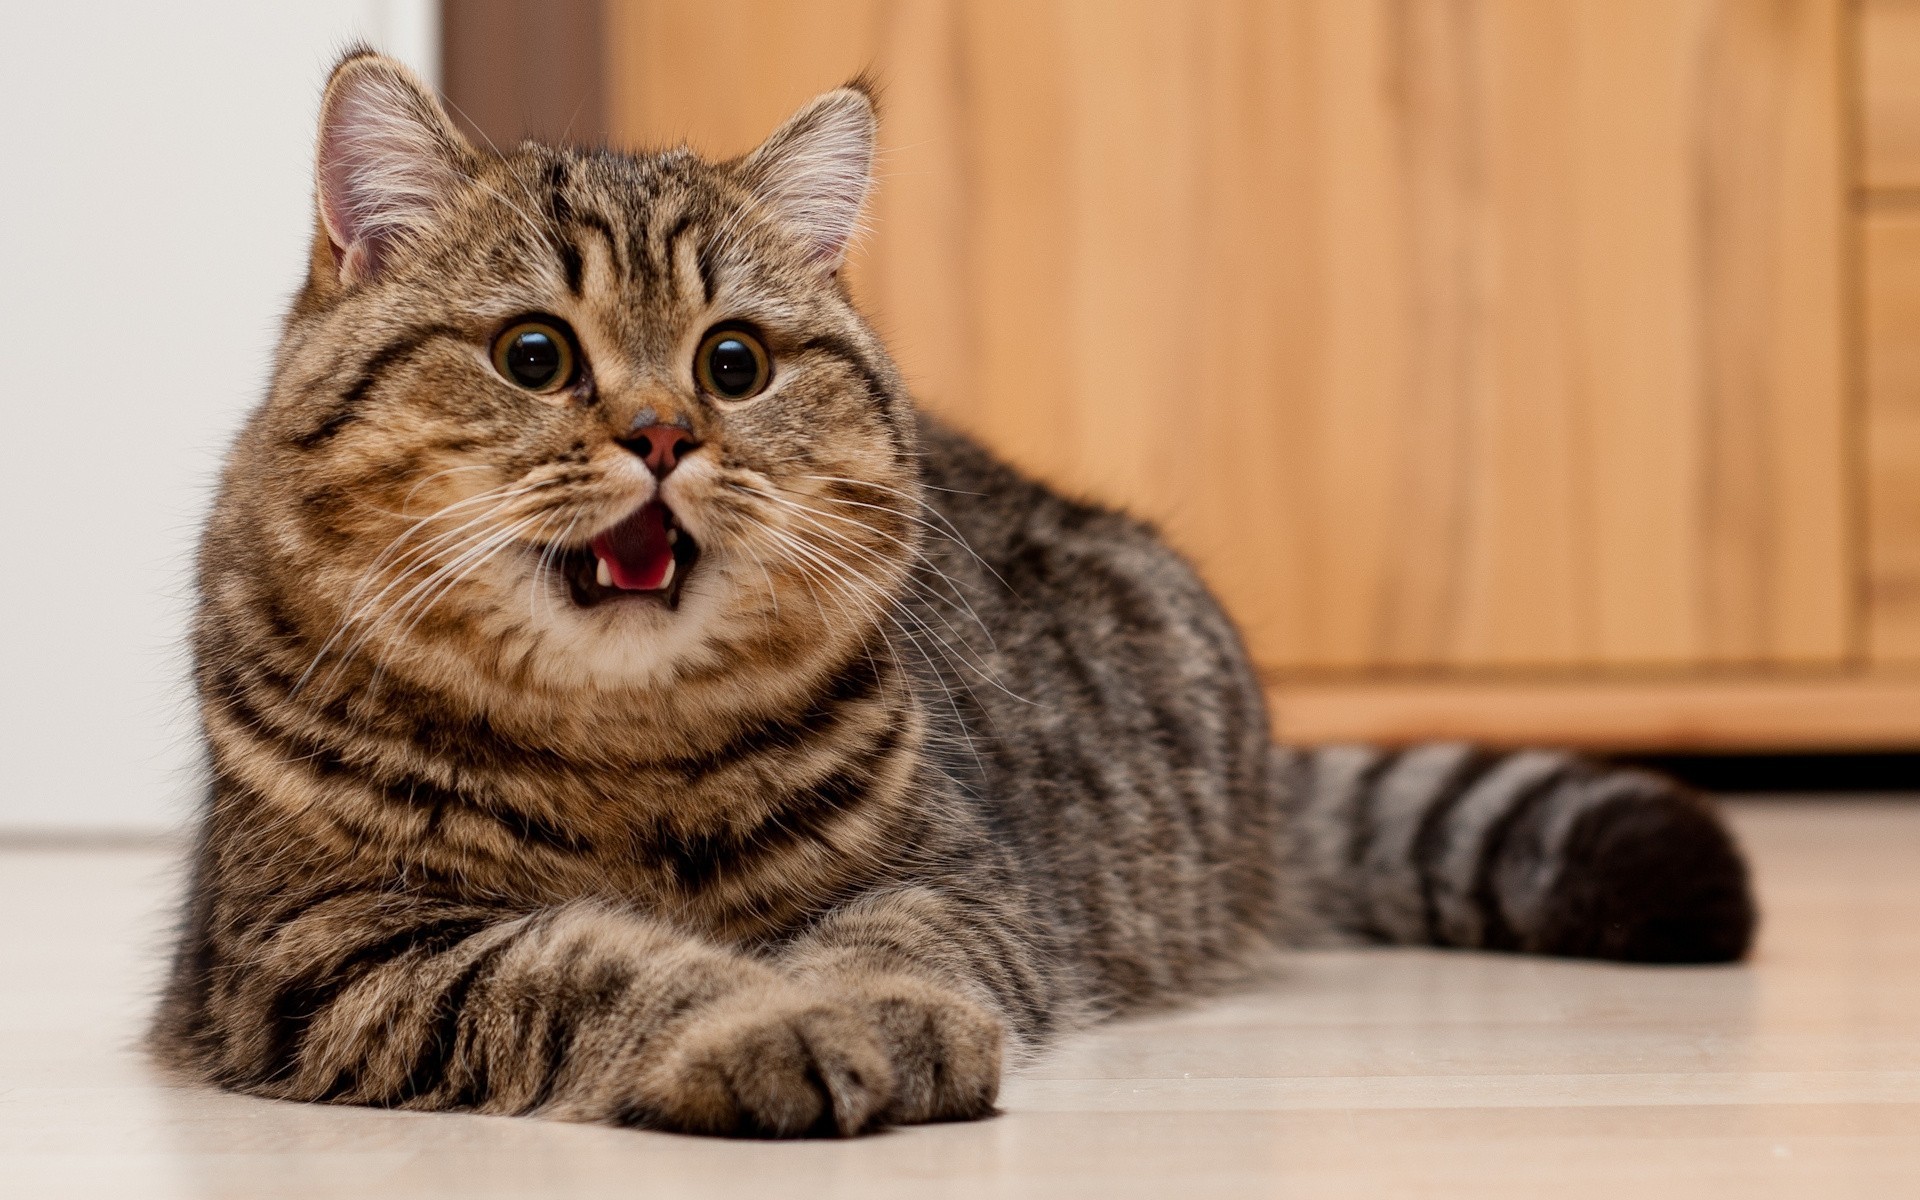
(732, 364)
(535, 354)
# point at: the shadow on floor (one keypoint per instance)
(1799, 773)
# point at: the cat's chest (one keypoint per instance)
(741, 847)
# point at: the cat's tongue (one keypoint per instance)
(636, 551)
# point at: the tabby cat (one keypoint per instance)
(623, 705)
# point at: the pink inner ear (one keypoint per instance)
(335, 185)
(815, 171)
(383, 169)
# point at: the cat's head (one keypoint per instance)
(568, 417)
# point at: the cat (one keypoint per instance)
(623, 705)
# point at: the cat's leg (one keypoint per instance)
(577, 1012)
(1536, 851)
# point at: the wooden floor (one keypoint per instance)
(1367, 1074)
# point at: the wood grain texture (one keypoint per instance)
(1889, 73)
(1767, 715)
(1890, 243)
(1493, 333)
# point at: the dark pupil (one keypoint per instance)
(533, 359)
(733, 367)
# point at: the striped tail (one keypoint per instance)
(1535, 851)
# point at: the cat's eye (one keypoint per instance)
(536, 354)
(732, 364)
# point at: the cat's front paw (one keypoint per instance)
(944, 1050)
(778, 1063)
(821, 1059)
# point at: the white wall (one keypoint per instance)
(153, 221)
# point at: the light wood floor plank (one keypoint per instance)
(1377, 1074)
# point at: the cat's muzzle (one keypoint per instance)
(647, 556)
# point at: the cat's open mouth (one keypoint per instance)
(646, 556)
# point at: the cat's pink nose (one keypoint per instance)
(661, 447)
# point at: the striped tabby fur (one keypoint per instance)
(924, 764)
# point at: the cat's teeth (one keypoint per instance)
(673, 537)
(667, 579)
(602, 573)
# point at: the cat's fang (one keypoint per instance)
(666, 579)
(602, 574)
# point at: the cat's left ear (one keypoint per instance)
(814, 172)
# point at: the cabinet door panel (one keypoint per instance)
(1478, 335)
(1891, 279)
(1889, 74)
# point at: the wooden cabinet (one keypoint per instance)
(1521, 369)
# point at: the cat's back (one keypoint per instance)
(1017, 526)
(1111, 706)
(1043, 564)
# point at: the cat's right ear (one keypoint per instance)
(388, 160)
